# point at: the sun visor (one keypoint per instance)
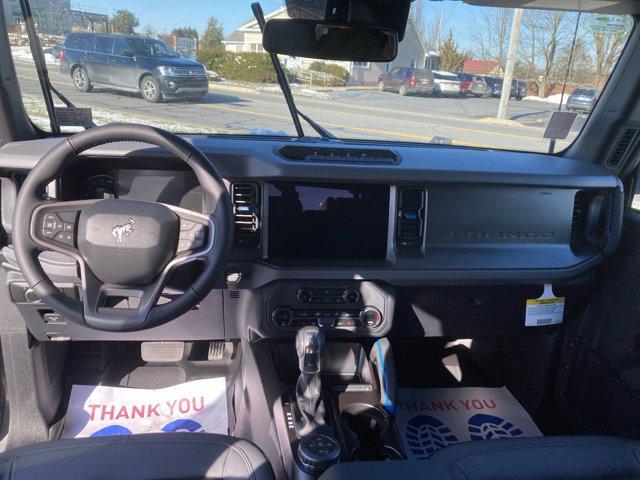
(391, 14)
(621, 7)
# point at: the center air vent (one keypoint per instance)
(409, 229)
(246, 213)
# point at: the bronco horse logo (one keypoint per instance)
(121, 230)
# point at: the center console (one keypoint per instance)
(339, 409)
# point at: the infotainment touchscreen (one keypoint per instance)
(327, 221)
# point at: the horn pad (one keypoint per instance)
(127, 242)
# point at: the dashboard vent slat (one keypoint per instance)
(246, 213)
(321, 154)
(623, 147)
(410, 215)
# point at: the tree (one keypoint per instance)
(607, 50)
(185, 32)
(149, 31)
(451, 58)
(213, 34)
(123, 21)
(417, 15)
(546, 38)
(490, 33)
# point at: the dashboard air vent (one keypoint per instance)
(579, 220)
(589, 221)
(623, 147)
(409, 229)
(246, 213)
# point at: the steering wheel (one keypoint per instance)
(124, 248)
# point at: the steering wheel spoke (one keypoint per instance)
(117, 307)
(54, 225)
(196, 237)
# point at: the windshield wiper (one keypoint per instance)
(295, 112)
(41, 68)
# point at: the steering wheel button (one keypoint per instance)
(48, 233)
(68, 227)
(186, 225)
(64, 238)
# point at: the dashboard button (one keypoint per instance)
(326, 322)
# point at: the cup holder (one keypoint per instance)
(369, 429)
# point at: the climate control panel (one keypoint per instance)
(287, 317)
(362, 307)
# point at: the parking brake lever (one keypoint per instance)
(381, 357)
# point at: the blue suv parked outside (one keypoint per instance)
(131, 63)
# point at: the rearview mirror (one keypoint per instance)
(330, 41)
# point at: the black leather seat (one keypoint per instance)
(567, 458)
(165, 456)
(541, 458)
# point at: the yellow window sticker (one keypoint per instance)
(546, 310)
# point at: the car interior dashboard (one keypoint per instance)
(325, 232)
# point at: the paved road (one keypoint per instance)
(367, 114)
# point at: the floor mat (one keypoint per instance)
(197, 406)
(431, 419)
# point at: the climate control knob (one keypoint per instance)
(351, 295)
(304, 295)
(282, 317)
(370, 317)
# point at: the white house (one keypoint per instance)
(412, 51)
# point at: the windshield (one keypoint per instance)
(200, 67)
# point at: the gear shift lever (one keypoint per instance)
(310, 348)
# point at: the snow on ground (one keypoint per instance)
(37, 111)
(554, 99)
(23, 54)
(297, 89)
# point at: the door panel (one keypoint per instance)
(122, 67)
(98, 60)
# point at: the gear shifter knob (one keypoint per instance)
(310, 347)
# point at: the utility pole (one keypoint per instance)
(510, 66)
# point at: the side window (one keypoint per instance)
(400, 73)
(79, 41)
(120, 46)
(103, 45)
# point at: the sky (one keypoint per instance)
(164, 16)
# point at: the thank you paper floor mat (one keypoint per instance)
(431, 419)
(198, 406)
